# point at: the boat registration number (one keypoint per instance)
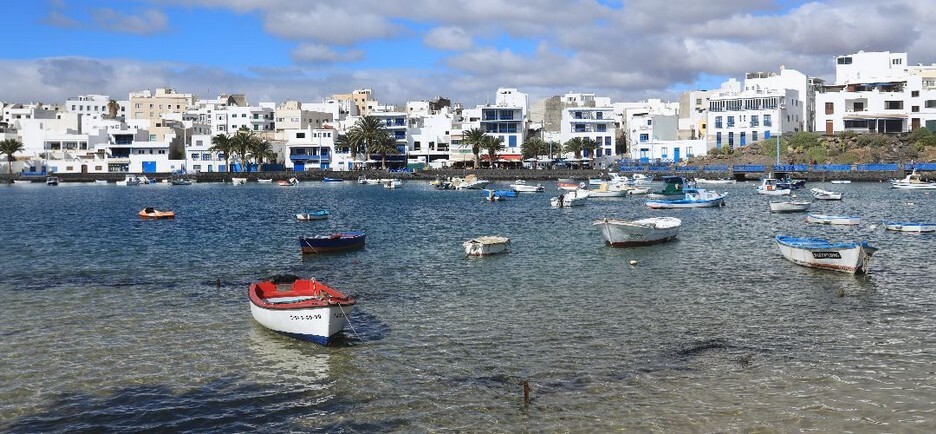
(305, 317)
(826, 255)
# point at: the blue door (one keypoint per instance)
(676, 155)
(149, 167)
(299, 167)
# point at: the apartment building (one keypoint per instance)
(589, 117)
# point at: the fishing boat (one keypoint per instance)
(363, 180)
(500, 193)
(153, 213)
(291, 182)
(522, 187)
(641, 179)
(624, 233)
(833, 219)
(792, 184)
(821, 194)
(238, 180)
(821, 253)
(841, 181)
(22, 181)
(487, 245)
(304, 309)
(392, 183)
(332, 243)
(317, 215)
(129, 180)
(569, 199)
(100, 181)
(180, 181)
(770, 187)
(910, 226)
(789, 206)
(703, 181)
(694, 198)
(675, 189)
(52, 180)
(913, 181)
(606, 189)
(571, 185)
(470, 182)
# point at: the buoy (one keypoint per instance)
(632, 262)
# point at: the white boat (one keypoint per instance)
(820, 253)
(910, 226)
(841, 181)
(100, 181)
(265, 180)
(317, 215)
(714, 181)
(487, 245)
(302, 309)
(769, 187)
(623, 233)
(789, 206)
(638, 190)
(391, 183)
(571, 185)
(641, 179)
(694, 198)
(129, 180)
(291, 182)
(470, 182)
(522, 187)
(821, 194)
(833, 219)
(569, 199)
(606, 189)
(22, 181)
(363, 180)
(913, 181)
(239, 181)
(52, 180)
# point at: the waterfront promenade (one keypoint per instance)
(870, 172)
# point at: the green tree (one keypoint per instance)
(222, 144)
(366, 133)
(344, 143)
(589, 145)
(474, 137)
(921, 138)
(112, 108)
(241, 143)
(532, 147)
(261, 150)
(573, 146)
(383, 144)
(9, 147)
(492, 145)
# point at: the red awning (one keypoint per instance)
(503, 157)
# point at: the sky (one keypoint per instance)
(406, 50)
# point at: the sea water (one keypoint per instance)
(113, 323)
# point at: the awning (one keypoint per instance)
(503, 157)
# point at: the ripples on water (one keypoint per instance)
(117, 324)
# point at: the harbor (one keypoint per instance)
(117, 323)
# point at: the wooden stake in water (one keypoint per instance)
(526, 392)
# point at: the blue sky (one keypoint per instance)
(271, 50)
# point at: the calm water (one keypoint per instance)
(116, 324)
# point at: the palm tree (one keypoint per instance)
(112, 108)
(492, 145)
(573, 145)
(367, 132)
(9, 147)
(532, 147)
(222, 144)
(261, 150)
(241, 143)
(383, 145)
(343, 143)
(474, 137)
(589, 145)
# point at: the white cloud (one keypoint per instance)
(311, 53)
(147, 22)
(448, 38)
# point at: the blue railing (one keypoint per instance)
(748, 168)
(921, 166)
(659, 168)
(877, 167)
(631, 168)
(687, 168)
(717, 168)
(790, 167)
(832, 167)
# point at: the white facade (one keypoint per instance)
(595, 123)
(877, 92)
(429, 138)
(313, 148)
(199, 158)
(668, 151)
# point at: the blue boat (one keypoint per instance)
(500, 193)
(332, 180)
(693, 198)
(332, 243)
(317, 215)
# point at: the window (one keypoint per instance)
(893, 105)
(718, 140)
(753, 136)
(664, 153)
(300, 135)
(767, 121)
(195, 157)
(649, 122)
(915, 93)
(915, 109)
(896, 61)
(577, 115)
(599, 115)
(829, 108)
(718, 123)
(930, 103)
(730, 121)
(601, 128)
(844, 60)
(698, 101)
(754, 121)
(730, 140)
(644, 138)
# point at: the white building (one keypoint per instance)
(430, 138)
(199, 158)
(313, 148)
(769, 104)
(668, 151)
(877, 92)
(258, 119)
(587, 116)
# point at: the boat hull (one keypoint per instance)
(820, 194)
(570, 199)
(306, 311)
(318, 215)
(483, 246)
(623, 233)
(523, 188)
(789, 206)
(332, 243)
(819, 253)
(910, 227)
(833, 219)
